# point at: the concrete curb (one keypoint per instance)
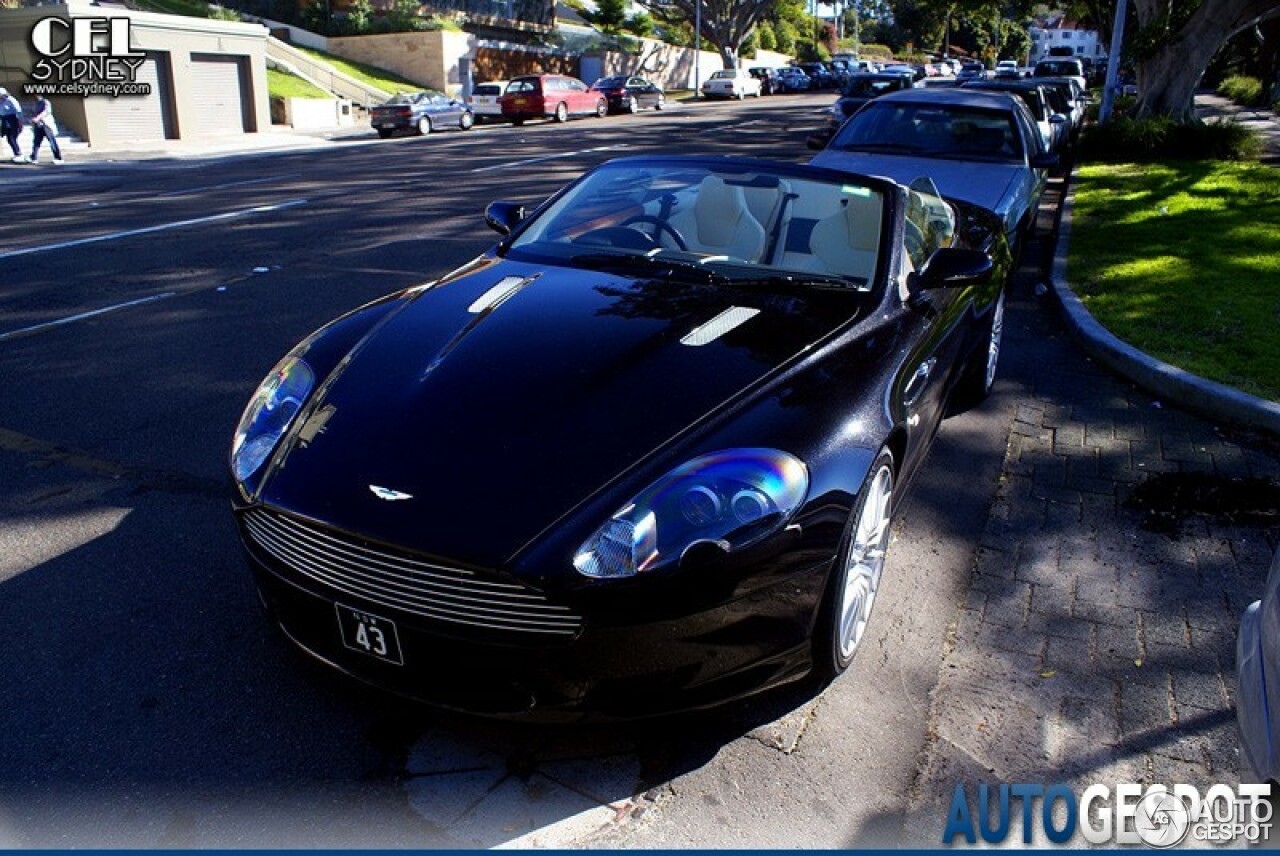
(1172, 384)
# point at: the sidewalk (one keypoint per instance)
(1097, 643)
(1260, 120)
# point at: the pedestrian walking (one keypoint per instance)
(44, 127)
(11, 122)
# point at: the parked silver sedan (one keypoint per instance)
(980, 147)
(1258, 680)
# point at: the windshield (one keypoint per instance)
(870, 87)
(1059, 68)
(931, 130)
(718, 223)
(402, 98)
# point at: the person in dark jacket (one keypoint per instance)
(11, 122)
(44, 127)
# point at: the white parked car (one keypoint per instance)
(731, 83)
(484, 99)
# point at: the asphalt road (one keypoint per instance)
(146, 701)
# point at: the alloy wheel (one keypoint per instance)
(864, 561)
(424, 126)
(993, 345)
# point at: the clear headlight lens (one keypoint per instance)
(731, 499)
(269, 414)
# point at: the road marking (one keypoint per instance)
(36, 328)
(544, 158)
(229, 215)
(718, 128)
(221, 186)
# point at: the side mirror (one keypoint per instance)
(817, 142)
(952, 267)
(1044, 160)
(1057, 119)
(502, 217)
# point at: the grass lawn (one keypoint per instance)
(380, 78)
(1182, 260)
(281, 84)
(175, 7)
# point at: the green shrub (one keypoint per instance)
(1242, 90)
(1126, 140)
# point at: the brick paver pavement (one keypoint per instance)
(1092, 649)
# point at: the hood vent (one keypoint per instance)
(727, 321)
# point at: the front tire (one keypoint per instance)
(855, 579)
(980, 374)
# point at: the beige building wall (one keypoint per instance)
(431, 60)
(174, 35)
(672, 67)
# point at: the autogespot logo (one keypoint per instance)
(1157, 816)
(84, 56)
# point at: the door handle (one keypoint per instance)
(916, 385)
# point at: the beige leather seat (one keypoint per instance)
(846, 242)
(771, 209)
(719, 223)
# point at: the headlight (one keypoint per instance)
(730, 499)
(268, 415)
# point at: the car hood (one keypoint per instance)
(484, 426)
(984, 184)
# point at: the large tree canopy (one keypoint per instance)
(1175, 41)
(725, 23)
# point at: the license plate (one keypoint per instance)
(369, 634)
(386, 124)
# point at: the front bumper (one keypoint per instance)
(1257, 743)
(626, 660)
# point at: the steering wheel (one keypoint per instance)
(660, 227)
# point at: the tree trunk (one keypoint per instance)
(1168, 75)
(729, 57)
(1167, 82)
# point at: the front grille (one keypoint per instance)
(396, 579)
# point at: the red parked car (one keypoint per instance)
(553, 96)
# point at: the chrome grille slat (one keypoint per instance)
(302, 541)
(335, 575)
(452, 595)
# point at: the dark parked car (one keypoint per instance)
(422, 112)
(971, 71)
(630, 94)
(982, 147)
(1054, 125)
(820, 76)
(792, 79)
(1258, 682)
(552, 96)
(860, 89)
(642, 454)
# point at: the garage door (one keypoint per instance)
(217, 90)
(143, 117)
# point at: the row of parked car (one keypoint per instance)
(987, 142)
(536, 96)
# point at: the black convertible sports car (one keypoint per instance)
(641, 455)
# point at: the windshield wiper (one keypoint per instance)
(801, 280)
(648, 263)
